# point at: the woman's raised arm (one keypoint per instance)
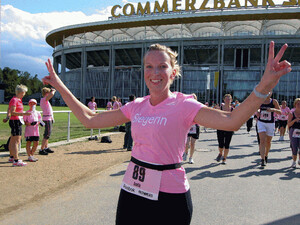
(232, 121)
(83, 113)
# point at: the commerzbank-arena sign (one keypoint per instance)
(130, 9)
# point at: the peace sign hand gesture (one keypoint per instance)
(274, 70)
(52, 78)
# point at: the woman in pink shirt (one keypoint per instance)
(119, 102)
(109, 106)
(155, 189)
(115, 103)
(32, 130)
(48, 119)
(15, 123)
(92, 104)
(282, 119)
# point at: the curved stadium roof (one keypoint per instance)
(262, 21)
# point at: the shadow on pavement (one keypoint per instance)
(97, 151)
(287, 172)
(217, 174)
(292, 220)
(120, 173)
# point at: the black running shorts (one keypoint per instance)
(16, 127)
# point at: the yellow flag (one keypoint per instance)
(216, 81)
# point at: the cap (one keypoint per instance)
(32, 100)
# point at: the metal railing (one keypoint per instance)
(69, 121)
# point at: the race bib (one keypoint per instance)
(193, 130)
(142, 181)
(296, 133)
(264, 115)
(283, 117)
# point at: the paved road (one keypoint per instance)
(240, 192)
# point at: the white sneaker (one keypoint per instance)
(32, 159)
(293, 164)
(280, 138)
(19, 163)
(184, 156)
(191, 161)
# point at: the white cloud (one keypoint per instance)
(22, 24)
(23, 44)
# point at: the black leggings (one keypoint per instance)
(175, 209)
(224, 138)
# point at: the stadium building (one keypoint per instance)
(222, 48)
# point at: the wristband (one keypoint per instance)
(260, 95)
(7, 117)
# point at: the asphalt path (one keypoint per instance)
(240, 192)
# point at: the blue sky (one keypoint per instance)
(42, 6)
(25, 23)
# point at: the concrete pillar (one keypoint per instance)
(63, 72)
(112, 62)
(83, 75)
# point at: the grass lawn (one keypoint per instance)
(60, 127)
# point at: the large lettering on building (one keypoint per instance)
(130, 9)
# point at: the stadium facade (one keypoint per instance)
(222, 48)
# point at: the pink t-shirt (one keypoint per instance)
(120, 104)
(47, 109)
(17, 102)
(92, 105)
(284, 113)
(115, 105)
(159, 134)
(32, 130)
(109, 106)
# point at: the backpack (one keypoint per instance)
(106, 139)
(122, 129)
(5, 146)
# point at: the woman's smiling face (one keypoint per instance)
(158, 71)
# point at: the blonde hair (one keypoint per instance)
(194, 96)
(113, 98)
(45, 90)
(227, 95)
(172, 54)
(21, 88)
(295, 102)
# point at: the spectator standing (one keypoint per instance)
(120, 102)
(15, 122)
(32, 130)
(115, 103)
(109, 106)
(128, 138)
(48, 119)
(92, 104)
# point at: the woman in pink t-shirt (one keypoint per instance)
(92, 104)
(282, 119)
(155, 189)
(15, 123)
(109, 106)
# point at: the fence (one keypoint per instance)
(66, 126)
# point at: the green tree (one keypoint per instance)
(12, 77)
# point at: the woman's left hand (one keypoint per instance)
(274, 70)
